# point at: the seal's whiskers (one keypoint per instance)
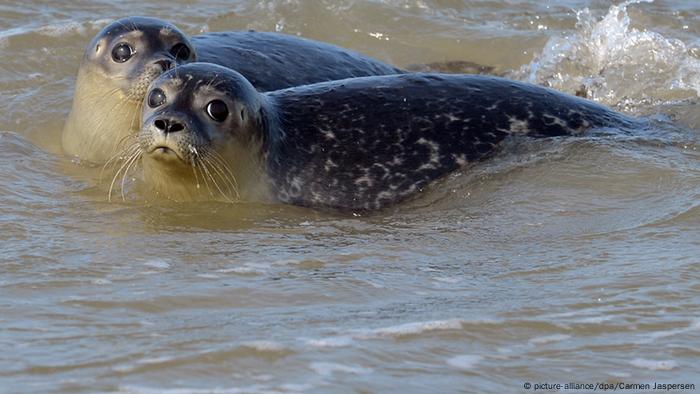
(205, 166)
(134, 160)
(224, 171)
(124, 167)
(121, 155)
(204, 177)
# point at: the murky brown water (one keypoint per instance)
(557, 261)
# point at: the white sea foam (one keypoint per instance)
(450, 280)
(15, 31)
(330, 342)
(208, 276)
(465, 362)
(100, 23)
(255, 268)
(615, 63)
(594, 319)
(693, 326)
(241, 271)
(409, 329)
(328, 369)
(55, 29)
(619, 374)
(401, 330)
(156, 360)
(548, 339)
(148, 390)
(157, 263)
(61, 29)
(654, 365)
(265, 346)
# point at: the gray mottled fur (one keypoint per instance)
(367, 143)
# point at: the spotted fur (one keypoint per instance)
(367, 143)
(370, 142)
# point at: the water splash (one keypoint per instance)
(609, 61)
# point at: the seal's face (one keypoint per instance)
(201, 123)
(132, 52)
(118, 65)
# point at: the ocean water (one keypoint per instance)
(556, 261)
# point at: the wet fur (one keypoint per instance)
(368, 143)
(105, 104)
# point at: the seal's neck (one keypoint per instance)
(269, 128)
(100, 120)
(234, 173)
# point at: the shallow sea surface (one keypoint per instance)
(559, 260)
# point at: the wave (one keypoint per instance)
(610, 61)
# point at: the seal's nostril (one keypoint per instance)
(165, 64)
(168, 126)
(175, 127)
(161, 124)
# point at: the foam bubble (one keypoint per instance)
(158, 264)
(654, 365)
(328, 369)
(411, 329)
(156, 360)
(464, 362)
(208, 276)
(241, 271)
(330, 342)
(265, 346)
(548, 339)
(594, 319)
(449, 280)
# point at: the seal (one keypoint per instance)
(128, 54)
(355, 144)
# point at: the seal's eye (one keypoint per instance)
(180, 51)
(122, 52)
(217, 110)
(156, 98)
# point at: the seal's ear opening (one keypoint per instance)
(97, 48)
(181, 52)
(241, 115)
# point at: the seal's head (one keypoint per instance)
(118, 65)
(202, 135)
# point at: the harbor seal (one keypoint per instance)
(122, 60)
(355, 144)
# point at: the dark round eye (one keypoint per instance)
(122, 52)
(217, 110)
(180, 51)
(156, 98)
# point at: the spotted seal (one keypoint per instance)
(355, 144)
(122, 60)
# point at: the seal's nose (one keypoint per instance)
(168, 126)
(165, 64)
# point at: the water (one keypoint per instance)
(556, 261)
